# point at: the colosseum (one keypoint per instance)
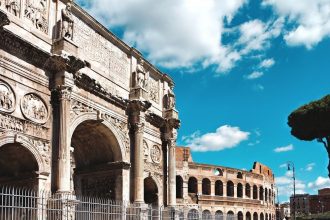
(215, 191)
(88, 129)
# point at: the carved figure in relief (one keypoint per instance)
(13, 6)
(36, 11)
(6, 98)
(33, 108)
(145, 150)
(67, 22)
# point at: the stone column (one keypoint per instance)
(199, 187)
(172, 171)
(243, 186)
(138, 163)
(235, 190)
(64, 163)
(137, 122)
(212, 188)
(225, 189)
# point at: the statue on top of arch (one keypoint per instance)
(67, 21)
(141, 76)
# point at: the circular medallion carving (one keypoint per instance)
(34, 108)
(155, 154)
(7, 98)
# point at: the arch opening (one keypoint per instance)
(239, 190)
(255, 192)
(96, 161)
(218, 215)
(248, 216)
(150, 192)
(218, 188)
(230, 189)
(206, 187)
(18, 167)
(192, 185)
(248, 190)
(240, 215)
(206, 214)
(179, 187)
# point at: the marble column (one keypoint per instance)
(138, 163)
(64, 163)
(171, 172)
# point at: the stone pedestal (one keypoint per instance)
(138, 92)
(64, 46)
(171, 113)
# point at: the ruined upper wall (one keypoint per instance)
(259, 168)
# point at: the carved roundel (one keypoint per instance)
(34, 108)
(155, 154)
(7, 98)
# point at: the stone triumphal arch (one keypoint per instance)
(81, 112)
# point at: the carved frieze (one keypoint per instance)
(36, 11)
(155, 154)
(34, 108)
(8, 122)
(78, 108)
(12, 6)
(154, 91)
(43, 147)
(7, 98)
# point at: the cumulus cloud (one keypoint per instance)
(173, 33)
(267, 63)
(284, 149)
(319, 183)
(310, 20)
(223, 138)
(310, 166)
(255, 75)
(285, 185)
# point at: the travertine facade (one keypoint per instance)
(216, 191)
(82, 112)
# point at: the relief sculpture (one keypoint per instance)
(36, 12)
(7, 98)
(34, 108)
(155, 154)
(154, 91)
(13, 6)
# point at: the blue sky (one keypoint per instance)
(240, 68)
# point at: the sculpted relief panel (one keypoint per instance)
(33, 11)
(34, 108)
(97, 49)
(7, 98)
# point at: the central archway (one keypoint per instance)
(96, 161)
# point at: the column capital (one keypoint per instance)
(64, 92)
(59, 63)
(138, 106)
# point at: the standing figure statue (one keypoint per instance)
(170, 98)
(67, 22)
(141, 77)
(13, 6)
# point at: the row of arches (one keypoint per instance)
(219, 215)
(253, 192)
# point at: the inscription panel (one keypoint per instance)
(100, 52)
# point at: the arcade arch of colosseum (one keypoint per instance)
(83, 113)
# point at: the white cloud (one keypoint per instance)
(223, 138)
(285, 185)
(319, 183)
(267, 63)
(255, 75)
(173, 33)
(284, 149)
(284, 165)
(258, 87)
(309, 20)
(310, 166)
